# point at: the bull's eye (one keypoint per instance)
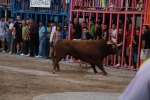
(113, 46)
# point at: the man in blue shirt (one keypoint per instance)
(41, 39)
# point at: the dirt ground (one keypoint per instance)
(23, 78)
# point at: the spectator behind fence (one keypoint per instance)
(98, 32)
(65, 32)
(28, 24)
(77, 33)
(2, 34)
(7, 33)
(113, 33)
(65, 5)
(51, 36)
(56, 3)
(25, 40)
(87, 34)
(57, 36)
(128, 44)
(92, 27)
(12, 35)
(49, 29)
(84, 24)
(18, 34)
(42, 31)
(34, 37)
(120, 43)
(105, 37)
(135, 46)
(145, 51)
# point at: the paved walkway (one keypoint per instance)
(78, 96)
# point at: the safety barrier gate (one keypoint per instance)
(119, 12)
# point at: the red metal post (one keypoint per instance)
(110, 23)
(124, 38)
(139, 46)
(145, 9)
(118, 17)
(130, 47)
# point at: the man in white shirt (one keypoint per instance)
(7, 33)
(2, 34)
(12, 35)
(51, 36)
(113, 32)
(139, 88)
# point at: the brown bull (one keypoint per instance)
(92, 52)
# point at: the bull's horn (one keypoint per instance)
(109, 42)
(118, 45)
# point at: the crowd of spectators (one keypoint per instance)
(27, 38)
(99, 30)
(112, 5)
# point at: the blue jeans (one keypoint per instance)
(41, 47)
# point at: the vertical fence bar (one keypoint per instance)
(139, 46)
(77, 14)
(131, 48)
(146, 8)
(110, 23)
(118, 17)
(123, 45)
(96, 17)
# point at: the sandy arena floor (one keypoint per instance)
(26, 78)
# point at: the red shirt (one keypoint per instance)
(128, 38)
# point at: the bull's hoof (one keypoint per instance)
(58, 70)
(105, 74)
(95, 72)
(53, 71)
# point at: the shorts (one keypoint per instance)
(145, 55)
(7, 36)
(56, 2)
(120, 52)
(128, 51)
(2, 37)
(135, 57)
(12, 39)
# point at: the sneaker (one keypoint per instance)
(132, 67)
(104, 65)
(69, 61)
(3, 51)
(125, 66)
(10, 52)
(27, 55)
(118, 65)
(111, 64)
(22, 54)
(17, 53)
(38, 56)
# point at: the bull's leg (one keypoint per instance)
(56, 65)
(102, 68)
(58, 68)
(93, 66)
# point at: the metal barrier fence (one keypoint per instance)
(121, 13)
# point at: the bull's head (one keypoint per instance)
(113, 48)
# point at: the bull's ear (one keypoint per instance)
(113, 46)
